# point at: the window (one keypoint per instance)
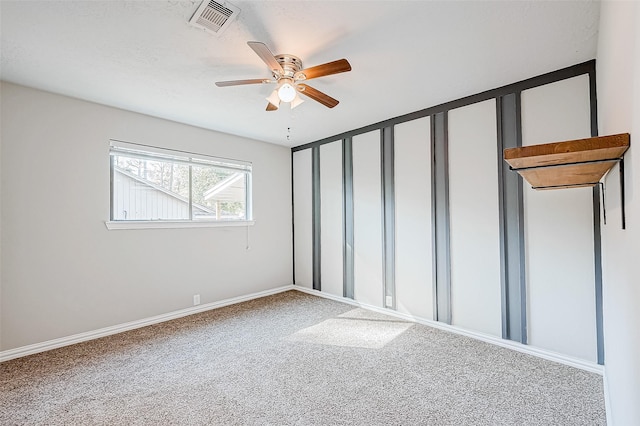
(154, 184)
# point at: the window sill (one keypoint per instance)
(174, 224)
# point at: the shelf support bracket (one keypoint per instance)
(587, 162)
(604, 205)
(622, 200)
(619, 160)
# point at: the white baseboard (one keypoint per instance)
(107, 331)
(102, 332)
(509, 344)
(607, 399)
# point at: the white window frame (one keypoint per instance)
(129, 149)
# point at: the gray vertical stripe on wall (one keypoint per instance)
(347, 202)
(511, 205)
(441, 227)
(388, 215)
(434, 278)
(293, 226)
(315, 220)
(597, 243)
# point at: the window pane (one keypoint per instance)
(218, 194)
(149, 190)
(161, 184)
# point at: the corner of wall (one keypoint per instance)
(618, 75)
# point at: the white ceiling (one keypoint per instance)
(406, 55)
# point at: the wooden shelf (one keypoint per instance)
(570, 164)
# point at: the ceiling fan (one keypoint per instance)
(288, 74)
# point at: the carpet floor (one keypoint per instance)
(294, 359)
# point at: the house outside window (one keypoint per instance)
(155, 184)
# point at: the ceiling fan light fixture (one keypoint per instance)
(296, 101)
(274, 99)
(286, 91)
(288, 74)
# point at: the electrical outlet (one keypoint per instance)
(196, 299)
(389, 301)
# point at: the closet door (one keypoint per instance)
(559, 243)
(302, 217)
(367, 219)
(414, 255)
(331, 213)
(474, 218)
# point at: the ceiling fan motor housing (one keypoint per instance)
(290, 64)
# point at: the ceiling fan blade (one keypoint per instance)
(271, 107)
(335, 67)
(317, 95)
(241, 82)
(265, 54)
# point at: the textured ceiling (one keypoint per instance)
(406, 55)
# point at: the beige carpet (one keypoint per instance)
(293, 359)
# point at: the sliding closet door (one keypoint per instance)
(474, 218)
(302, 216)
(559, 229)
(331, 218)
(367, 219)
(412, 168)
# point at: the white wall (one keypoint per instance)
(414, 255)
(331, 264)
(474, 218)
(559, 229)
(302, 215)
(64, 273)
(618, 73)
(367, 219)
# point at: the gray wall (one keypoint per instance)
(64, 273)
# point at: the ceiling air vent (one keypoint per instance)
(214, 17)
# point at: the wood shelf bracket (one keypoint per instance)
(571, 164)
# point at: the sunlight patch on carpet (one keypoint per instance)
(357, 328)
